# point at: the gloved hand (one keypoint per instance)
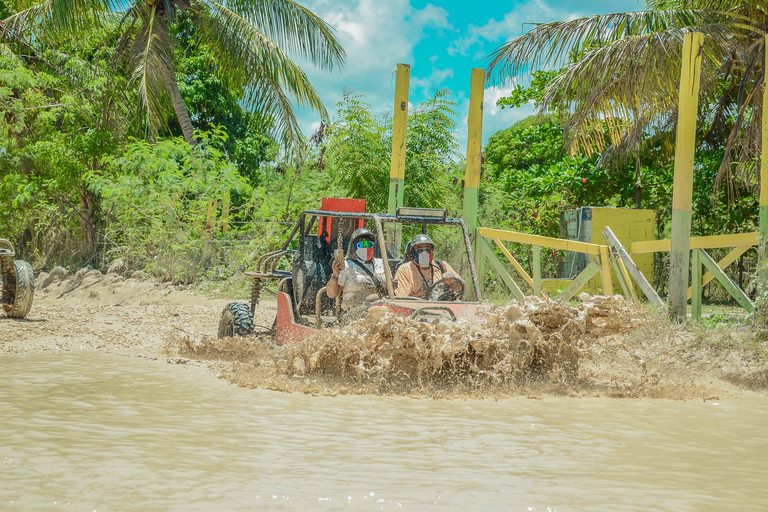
(337, 267)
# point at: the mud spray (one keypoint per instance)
(602, 346)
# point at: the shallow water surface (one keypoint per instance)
(102, 432)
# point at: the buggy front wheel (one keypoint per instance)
(236, 320)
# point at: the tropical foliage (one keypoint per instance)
(247, 44)
(622, 72)
(359, 145)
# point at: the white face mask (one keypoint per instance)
(362, 254)
(423, 259)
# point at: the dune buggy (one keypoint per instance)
(302, 305)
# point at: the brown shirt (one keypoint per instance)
(413, 281)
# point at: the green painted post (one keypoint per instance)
(580, 280)
(397, 167)
(474, 160)
(763, 213)
(484, 249)
(682, 195)
(695, 284)
(731, 287)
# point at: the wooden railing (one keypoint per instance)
(601, 264)
(740, 242)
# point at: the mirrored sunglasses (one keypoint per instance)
(364, 244)
(423, 249)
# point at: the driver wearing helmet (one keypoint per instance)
(414, 277)
(361, 278)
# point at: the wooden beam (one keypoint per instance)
(624, 281)
(763, 212)
(544, 241)
(638, 276)
(536, 270)
(397, 163)
(225, 213)
(625, 276)
(732, 288)
(486, 250)
(682, 193)
(514, 262)
(605, 271)
(474, 147)
(580, 280)
(210, 217)
(696, 283)
(699, 242)
(723, 263)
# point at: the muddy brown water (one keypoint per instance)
(95, 431)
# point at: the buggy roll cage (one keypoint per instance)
(265, 265)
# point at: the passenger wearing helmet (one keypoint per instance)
(414, 277)
(361, 278)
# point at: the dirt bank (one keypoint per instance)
(91, 311)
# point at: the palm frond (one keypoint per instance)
(152, 66)
(554, 44)
(292, 27)
(54, 19)
(259, 63)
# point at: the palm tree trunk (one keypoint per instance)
(181, 110)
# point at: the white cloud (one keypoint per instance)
(377, 35)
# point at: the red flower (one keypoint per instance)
(583, 180)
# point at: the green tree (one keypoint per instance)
(155, 198)
(622, 71)
(248, 43)
(359, 145)
(62, 115)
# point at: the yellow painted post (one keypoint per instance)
(225, 213)
(685, 143)
(397, 166)
(536, 270)
(474, 161)
(605, 271)
(210, 217)
(474, 148)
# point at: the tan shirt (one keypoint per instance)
(411, 278)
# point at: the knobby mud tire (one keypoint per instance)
(23, 289)
(236, 320)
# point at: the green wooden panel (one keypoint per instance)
(581, 279)
(486, 250)
(736, 292)
(696, 284)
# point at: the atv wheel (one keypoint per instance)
(236, 319)
(22, 284)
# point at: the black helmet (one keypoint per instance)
(362, 233)
(420, 239)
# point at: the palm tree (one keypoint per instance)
(249, 42)
(622, 72)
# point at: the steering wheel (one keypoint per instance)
(438, 291)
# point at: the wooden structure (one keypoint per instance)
(397, 166)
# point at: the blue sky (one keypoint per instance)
(442, 40)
